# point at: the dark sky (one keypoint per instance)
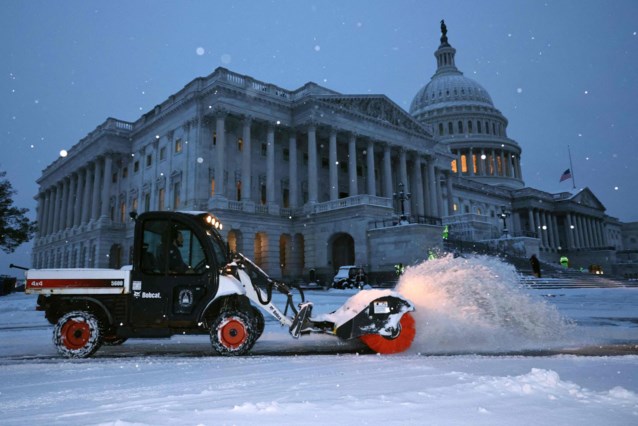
(563, 72)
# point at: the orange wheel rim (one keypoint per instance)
(392, 345)
(75, 334)
(233, 333)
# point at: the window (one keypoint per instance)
(454, 168)
(286, 197)
(440, 128)
(149, 160)
(162, 154)
(136, 166)
(264, 149)
(123, 212)
(114, 177)
(124, 172)
(161, 194)
(460, 125)
(176, 195)
(469, 127)
(178, 145)
(240, 144)
(147, 202)
(238, 190)
(450, 128)
(174, 249)
(134, 204)
(212, 187)
(263, 194)
(286, 154)
(478, 127)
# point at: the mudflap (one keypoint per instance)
(382, 316)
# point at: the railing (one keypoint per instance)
(421, 220)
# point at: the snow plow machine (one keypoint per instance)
(184, 280)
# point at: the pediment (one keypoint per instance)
(378, 108)
(587, 198)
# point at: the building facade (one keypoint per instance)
(312, 179)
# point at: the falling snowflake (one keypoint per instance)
(317, 48)
(616, 188)
(226, 58)
(200, 160)
(63, 153)
(200, 51)
(519, 90)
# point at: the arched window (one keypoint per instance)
(478, 127)
(487, 128)
(450, 128)
(440, 128)
(469, 127)
(460, 124)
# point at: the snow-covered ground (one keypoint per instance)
(487, 352)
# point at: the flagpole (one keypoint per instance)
(571, 167)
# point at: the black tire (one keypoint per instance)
(77, 334)
(259, 322)
(233, 333)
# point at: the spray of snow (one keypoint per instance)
(476, 304)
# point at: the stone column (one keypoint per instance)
(270, 165)
(550, 230)
(539, 229)
(312, 165)
(97, 172)
(40, 213)
(59, 199)
(450, 198)
(333, 167)
(470, 162)
(64, 205)
(46, 209)
(106, 189)
(220, 164)
(555, 231)
(432, 208)
(246, 161)
(388, 189)
(86, 198)
(352, 165)
(532, 223)
(403, 172)
(577, 236)
(79, 199)
(417, 178)
(371, 184)
(292, 170)
(569, 231)
(73, 199)
(503, 173)
(439, 195)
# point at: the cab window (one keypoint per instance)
(171, 248)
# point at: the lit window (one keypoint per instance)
(178, 145)
(240, 144)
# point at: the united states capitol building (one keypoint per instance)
(314, 179)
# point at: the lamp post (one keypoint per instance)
(504, 214)
(402, 197)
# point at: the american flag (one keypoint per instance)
(567, 174)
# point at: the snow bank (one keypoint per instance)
(476, 304)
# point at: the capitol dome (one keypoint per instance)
(450, 89)
(462, 117)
